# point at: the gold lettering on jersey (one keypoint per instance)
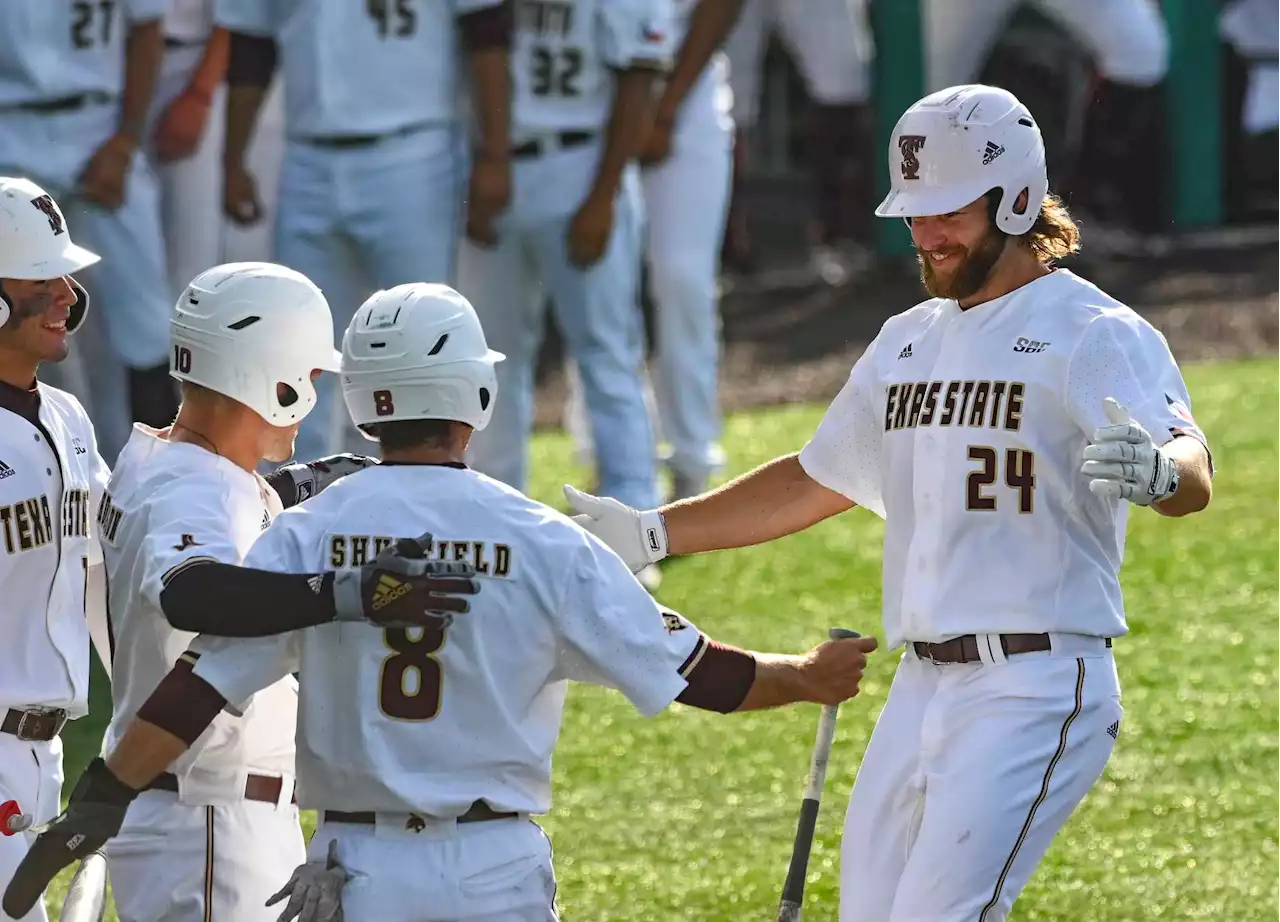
(27, 524)
(354, 551)
(75, 513)
(545, 17)
(973, 404)
(109, 518)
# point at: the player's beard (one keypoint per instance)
(967, 278)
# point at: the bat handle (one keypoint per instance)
(842, 633)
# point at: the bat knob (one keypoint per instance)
(12, 819)
(841, 633)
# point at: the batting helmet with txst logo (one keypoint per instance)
(956, 145)
(35, 244)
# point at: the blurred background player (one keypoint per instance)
(185, 139)
(375, 165)
(582, 74)
(1118, 189)
(456, 762)
(50, 483)
(831, 44)
(76, 83)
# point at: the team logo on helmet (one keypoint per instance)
(910, 145)
(45, 204)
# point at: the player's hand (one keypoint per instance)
(402, 587)
(314, 890)
(657, 147)
(181, 125)
(303, 480)
(487, 197)
(833, 670)
(103, 180)
(638, 537)
(240, 200)
(590, 229)
(1122, 461)
(94, 814)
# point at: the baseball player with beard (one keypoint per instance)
(376, 162)
(428, 815)
(1001, 429)
(51, 477)
(583, 74)
(218, 833)
(76, 82)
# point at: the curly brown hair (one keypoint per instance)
(1055, 234)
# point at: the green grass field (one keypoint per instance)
(691, 816)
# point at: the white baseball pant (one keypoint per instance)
(971, 771)
(31, 774)
(176, 862)
(491, 871)
(358, 219)
(264, 160)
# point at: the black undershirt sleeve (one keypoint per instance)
(487, 28)
(251, 60)
(720, 678)
(182, 704)
(224, 600)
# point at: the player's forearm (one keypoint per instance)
(711, 22)
(487, 36)
(1195, 481)
(212, 69)
(779, 681)
(224, 600)
(628, 126)
(144, 48)
(772, 501)
(143, 753)
(251, 63)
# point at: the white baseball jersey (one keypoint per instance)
(965, 431)
(563, 51)
(50, 49)
(168, 505)
(189, 20)
(51, 478)
(361, 67)
(430, 720)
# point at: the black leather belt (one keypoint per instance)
(477, 813)
(171, 42)
(36, 725)
(965, 649)
(535, 147)
(350, 141)
(263, 788)
(62, 103)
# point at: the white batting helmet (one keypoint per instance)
(35, 243)
(242, 329)
(418, 352)
(956, 145)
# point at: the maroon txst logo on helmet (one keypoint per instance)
(45, 204)
(910, 144)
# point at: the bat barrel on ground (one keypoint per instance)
(793, 888)
(87, 895)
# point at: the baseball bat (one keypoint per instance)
(87, 896)
(793, 888)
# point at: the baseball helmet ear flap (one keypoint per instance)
(80, 308)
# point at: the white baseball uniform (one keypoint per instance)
(51, 479)
(418, 727)
(964, 430)
(562, 99)
(191, 188)
(829, 40)
(204, 842)
(1127, 38)
(61, 78)
(375, 162)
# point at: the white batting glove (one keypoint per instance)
(638, 537)
(314, 890)
(1122, 461)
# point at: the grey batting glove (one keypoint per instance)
(1123, 462)
(402, 587)
(638, 537)
(300, 481)
(314, 890)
